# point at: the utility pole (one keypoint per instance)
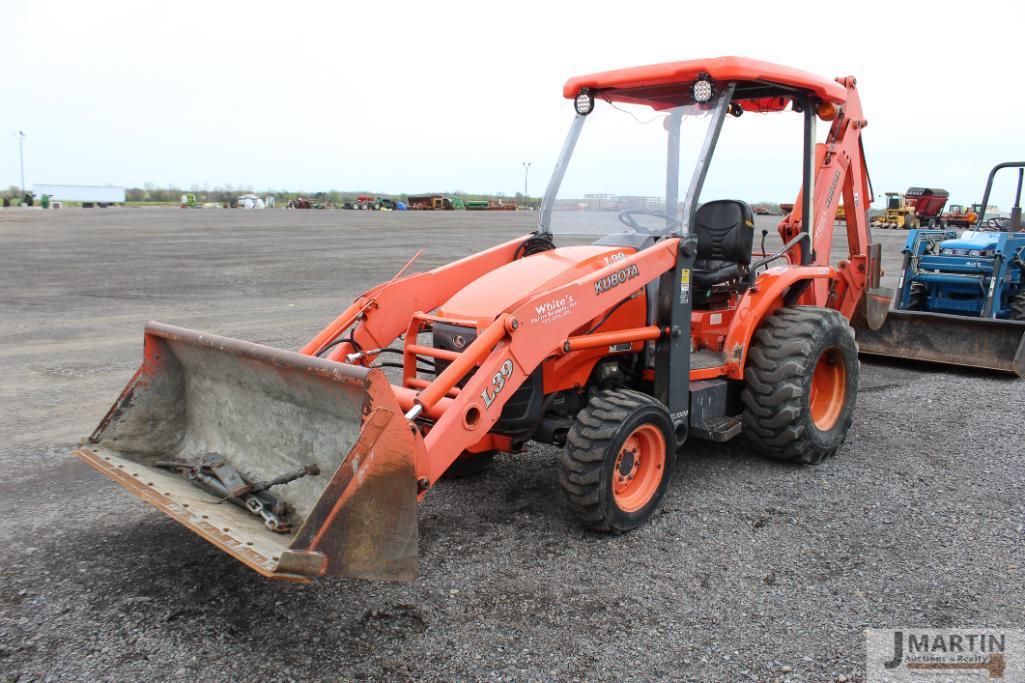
(20, 137)
(526, 172)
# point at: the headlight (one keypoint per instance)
(947, 252)
(584, 103)
(702, 89)
(974, 252)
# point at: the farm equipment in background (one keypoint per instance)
(365, 202)
(488, 205)
(384, 204)
(616, 351)
(253, 201)
(502, 205)
(897, 214)
(960, 216)
(961, 300)
(928, 203)
(188, 201)
(436, 202)
(302, 203)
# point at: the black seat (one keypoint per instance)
(725, 232)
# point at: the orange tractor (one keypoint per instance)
(660, 326)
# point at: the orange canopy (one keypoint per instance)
(766, 85)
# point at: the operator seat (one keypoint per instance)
(725, 232)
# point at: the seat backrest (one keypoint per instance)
(725, 229)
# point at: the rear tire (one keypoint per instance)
(618, 460)
(801, 384)
(1018, 306)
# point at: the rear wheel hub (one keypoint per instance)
(828, 389)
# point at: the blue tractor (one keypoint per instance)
(960, 300)
(979, 274)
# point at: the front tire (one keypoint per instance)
(917, 296)
(801, 384)
(618, 460)
(1018, 306)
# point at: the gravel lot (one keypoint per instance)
(750, 571)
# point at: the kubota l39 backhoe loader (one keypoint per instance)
(665, 326)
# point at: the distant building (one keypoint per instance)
(88, 195)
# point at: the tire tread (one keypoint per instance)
(585, 451)
(773, 395)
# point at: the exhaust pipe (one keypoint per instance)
(321, 447)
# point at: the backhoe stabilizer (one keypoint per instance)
(329, 439)
(946, 339)
(873, 309)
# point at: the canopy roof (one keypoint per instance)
(760, 85)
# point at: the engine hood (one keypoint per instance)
(970, 240)
(486, 297)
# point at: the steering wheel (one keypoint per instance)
(626, 218)
(996, 224)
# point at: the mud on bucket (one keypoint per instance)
(297, 466)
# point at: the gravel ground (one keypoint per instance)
(750, 571)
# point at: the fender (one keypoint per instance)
(760, 302)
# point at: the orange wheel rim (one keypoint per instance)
(639, 468)
(828, 389)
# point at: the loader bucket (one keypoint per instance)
(947, 339)
(267, 412)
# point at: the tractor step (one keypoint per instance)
(705, 359)
(708, 419)
(722, 429)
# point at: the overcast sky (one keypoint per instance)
(424, 96)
